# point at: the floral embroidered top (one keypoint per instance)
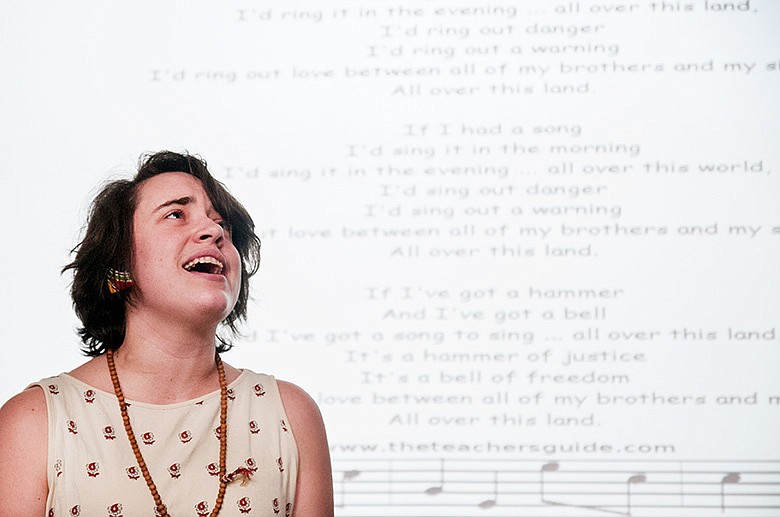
(93, 472)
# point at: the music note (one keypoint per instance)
(730, 478)
(633, 480)
(351, 474)
(348, 475)
(490, 503)
(547, 467)
(438, 489)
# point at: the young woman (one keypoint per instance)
(155, 423)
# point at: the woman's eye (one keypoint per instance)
(176, 214)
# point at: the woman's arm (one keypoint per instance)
(23, 455)
(314, 489)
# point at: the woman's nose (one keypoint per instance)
(211, 230)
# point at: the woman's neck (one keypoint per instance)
(164, 379)
(166, 363)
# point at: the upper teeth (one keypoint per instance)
(204, 260)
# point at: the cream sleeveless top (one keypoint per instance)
(93, 472)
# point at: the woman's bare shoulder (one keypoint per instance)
(304, 416)
(24, 409)
(295, 399)
(314, 490)
(23, 448)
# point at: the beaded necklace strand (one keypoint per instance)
(223, 478)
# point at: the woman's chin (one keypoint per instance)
(210, 308)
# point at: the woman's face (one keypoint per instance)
(185, 265)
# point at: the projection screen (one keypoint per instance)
(523, 254)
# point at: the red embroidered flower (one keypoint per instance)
(72, 427)
(75, 511)
(288, 510)
(58, 467)
(115, 510)
(185, 436)
(259, 391)
(89, 396)
(174, 470)
(284, 425)
(93, 469)
(108, 433)
(280, 464)
(51, 512)
(244, 505)
(54, 389)
(275, 505)
(231, 394)
(254, 427)
(213, 469)
(148, 438)
(133, 472)
(218, 432)
(202, 509)
(251, 464)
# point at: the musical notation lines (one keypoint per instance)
(561, 487)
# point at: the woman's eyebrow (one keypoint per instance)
(178, 201)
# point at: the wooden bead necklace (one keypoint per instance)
(223, 478)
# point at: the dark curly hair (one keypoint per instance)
(107, 244)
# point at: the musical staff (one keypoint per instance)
(563, 487)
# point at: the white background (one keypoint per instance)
(270, 94)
